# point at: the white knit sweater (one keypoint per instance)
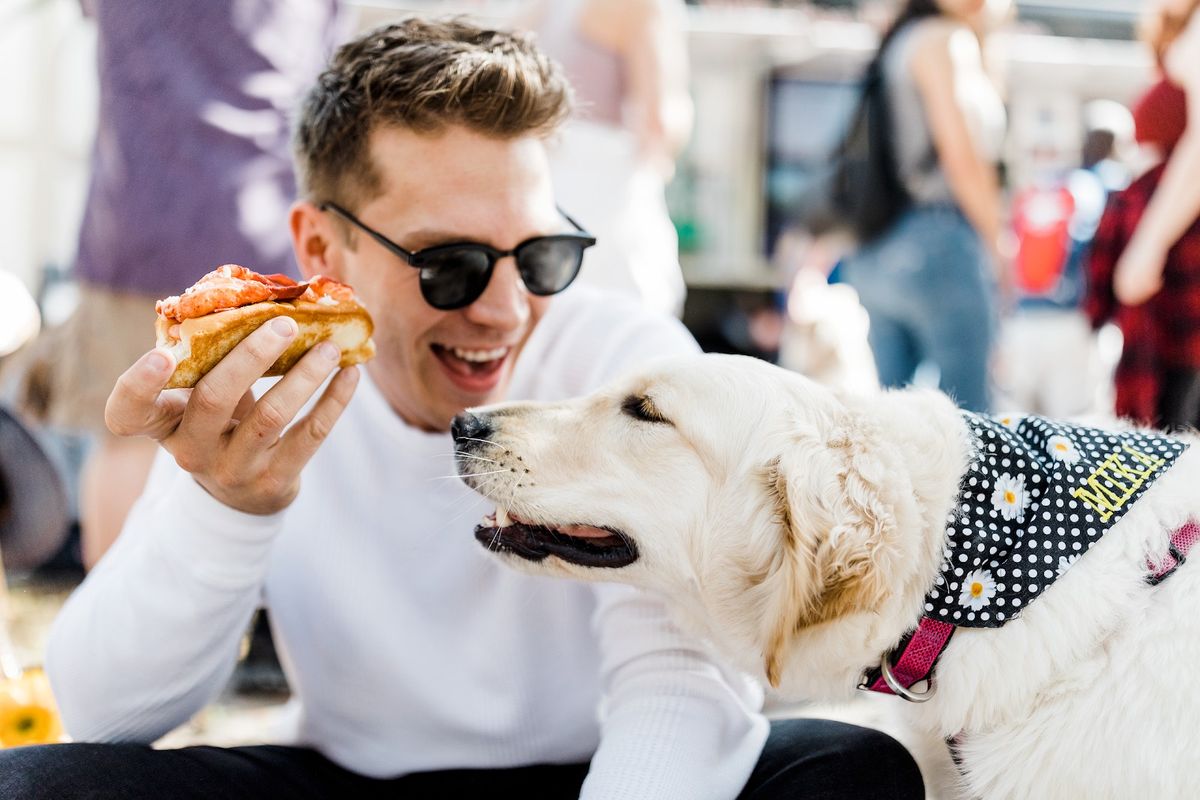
(409, 647)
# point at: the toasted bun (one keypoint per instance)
(202, 342)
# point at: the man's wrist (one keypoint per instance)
(221, 546)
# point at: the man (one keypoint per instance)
(424, 668)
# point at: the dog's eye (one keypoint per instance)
(642, 408)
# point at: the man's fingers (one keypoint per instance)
(244, 406)
(303, 438)
(276, 409)
(217, 395)
(137, 405)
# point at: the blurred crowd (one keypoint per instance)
(997, 296)
(994, 293)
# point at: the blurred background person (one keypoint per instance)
(1144, 271)
(627, 62)
(34, 507)
(927, 282)
(1172, 31)
(1049, 362)
(191, 168)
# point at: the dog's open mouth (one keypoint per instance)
(578, 544)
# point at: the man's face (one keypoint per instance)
(455, 186)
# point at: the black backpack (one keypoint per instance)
(861, 191)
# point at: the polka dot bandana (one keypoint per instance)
(1037, 495)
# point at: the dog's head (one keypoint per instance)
(721, 481)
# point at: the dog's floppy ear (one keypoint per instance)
(827, 487)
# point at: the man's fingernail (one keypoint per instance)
(157, 363)
(283, 326)
(330, 351)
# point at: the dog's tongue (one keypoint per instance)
(584, 532)
(503, 518)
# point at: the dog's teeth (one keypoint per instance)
(502, 519)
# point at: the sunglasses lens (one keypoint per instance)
(454, 277)
(549, 265)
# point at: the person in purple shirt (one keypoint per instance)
(191, 169)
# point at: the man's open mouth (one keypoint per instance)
(476, 371)
(471, 362)
(585, 545)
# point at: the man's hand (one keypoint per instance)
(1138, 274)
(234, 446)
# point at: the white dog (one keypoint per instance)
(805, 534)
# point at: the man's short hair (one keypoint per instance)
(423, 74)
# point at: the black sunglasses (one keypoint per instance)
(455, 275)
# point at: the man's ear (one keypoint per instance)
(315, 241)
(827, 489)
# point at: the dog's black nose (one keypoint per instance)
(467, 426)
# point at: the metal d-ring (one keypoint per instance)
(900, 691)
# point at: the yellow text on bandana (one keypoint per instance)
(1116, 479)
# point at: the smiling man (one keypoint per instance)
(423, 668)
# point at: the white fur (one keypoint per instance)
(1088, 694)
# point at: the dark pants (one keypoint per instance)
(811, 759)
(1179, 406)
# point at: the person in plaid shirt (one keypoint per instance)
(1145, 265)
(1158, 376)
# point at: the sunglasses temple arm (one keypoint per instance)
(571, 220)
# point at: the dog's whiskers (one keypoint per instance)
(470, 508)
(477, 458)
(468, 475)
(460, 454)
(484, 441)
(512, 495)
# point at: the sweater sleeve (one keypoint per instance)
(675, 723)
(152, 633)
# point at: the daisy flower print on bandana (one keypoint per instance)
(1036, 494)
(1010, 421)
(979, 587)
(1010, 497)
(1062, 449)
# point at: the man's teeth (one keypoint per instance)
(479, 355)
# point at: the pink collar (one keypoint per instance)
(914, 658)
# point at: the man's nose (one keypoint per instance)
(504, 304)
(467, 426)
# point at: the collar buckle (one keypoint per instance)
(898, 689)
(910, 662)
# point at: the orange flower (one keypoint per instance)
(28, 714)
